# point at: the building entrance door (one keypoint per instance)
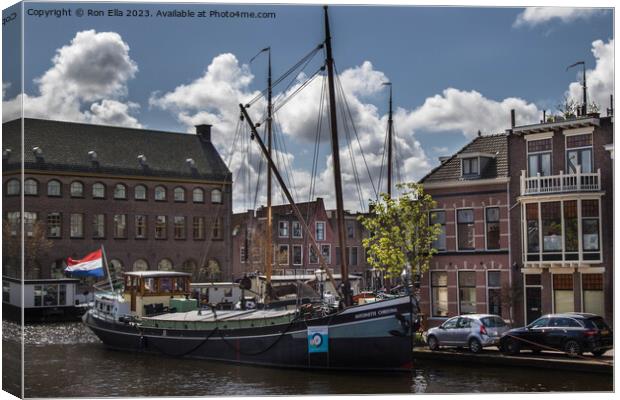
(533, 303)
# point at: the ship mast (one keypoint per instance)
(269, 249)
(390, 134)
(344, 272)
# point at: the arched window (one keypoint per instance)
(164, 265)
(98, 190)
(140, 192)
(53, 188)
(77, 189)
(12, 187)
(31, 187)
(116, 268)
(216, 196)
(189, 266)
(179, 194)
(120, 191)
(198, 195)
(140, 265)
(160, 193)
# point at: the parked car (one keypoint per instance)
(474, 331)
(573, 333)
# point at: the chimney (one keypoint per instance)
(204, 132)
(512, 118)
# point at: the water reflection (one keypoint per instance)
(66, 360)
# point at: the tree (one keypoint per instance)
(400, 231)
(35, 243)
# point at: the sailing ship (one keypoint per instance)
(155, 314)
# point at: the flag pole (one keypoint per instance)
(105, 262)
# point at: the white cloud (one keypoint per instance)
(600, 80)
(468, 112)
(87, 78)
(214, 98)
(440, 149)
(533, 16)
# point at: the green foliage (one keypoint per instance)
(400, 231)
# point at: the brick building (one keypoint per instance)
(155, 200)
(292, 250)
(471, 271)
(561, 189)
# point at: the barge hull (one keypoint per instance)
(375, 343)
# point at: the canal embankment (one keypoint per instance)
(526, 359)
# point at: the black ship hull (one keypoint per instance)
(373, 336)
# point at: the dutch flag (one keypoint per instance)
(91, 265)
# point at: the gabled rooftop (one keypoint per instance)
(482, 146)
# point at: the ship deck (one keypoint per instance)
(220, 316)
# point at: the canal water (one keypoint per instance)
(66, 360)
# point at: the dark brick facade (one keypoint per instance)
(484, 263)
(180, 249)
(250, 221)
(602, 135)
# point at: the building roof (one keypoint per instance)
(308, 208)
(65, 146)
(450, 169)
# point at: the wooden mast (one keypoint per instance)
(287, 194)
(344, 271)
(269, 250)
(390, 130)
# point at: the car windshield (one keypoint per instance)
(597, 323)
(493, 322)
(540, 322)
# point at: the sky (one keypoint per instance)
(454, 71)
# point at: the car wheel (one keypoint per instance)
(598, 353)
(572, 348)
(475, 346)
(512, 347)
(433, 343)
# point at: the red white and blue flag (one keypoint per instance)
(91, 265)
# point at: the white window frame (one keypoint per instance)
(282, 224)
(458, 290)
(493, 287)
(301, 235)
(430, 286)
(301, 247)
(316, 230)
(456, 228)
(328, 260)
(445, 225)
(533, 138)
(486, 227)
(310, 256)
(288, 254)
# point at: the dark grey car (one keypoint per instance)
(474, 331)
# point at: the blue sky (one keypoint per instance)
(454, 70)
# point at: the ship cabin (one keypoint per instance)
(156, 292)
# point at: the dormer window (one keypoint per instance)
(470, 166)
(474, 164)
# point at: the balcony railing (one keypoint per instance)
(562, 183)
